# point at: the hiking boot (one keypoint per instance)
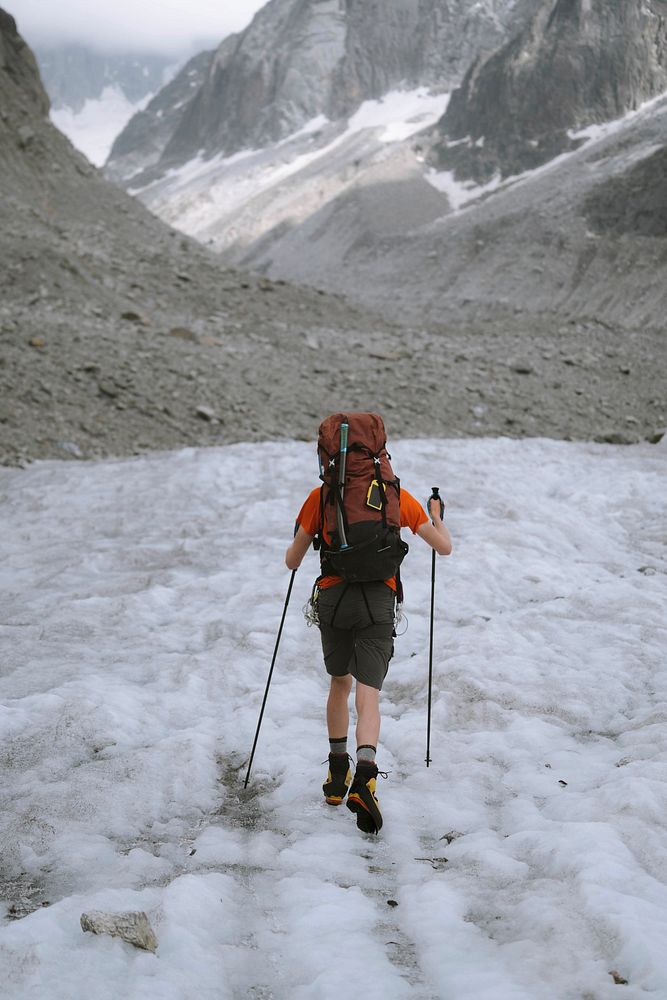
(362, 800)
(338, 779)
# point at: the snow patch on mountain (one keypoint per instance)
(401, 113)
(92, 130)
(464, 192)
(212, 199)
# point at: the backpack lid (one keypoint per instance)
(365, 430)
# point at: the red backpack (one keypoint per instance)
(360, 499)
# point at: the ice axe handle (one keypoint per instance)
(435, 495)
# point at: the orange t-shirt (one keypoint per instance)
(310, 519)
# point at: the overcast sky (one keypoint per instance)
(170, 26)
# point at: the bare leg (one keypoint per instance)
(338, 714)
(367, 702)
(362, 799)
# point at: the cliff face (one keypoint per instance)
(633, 204)
(584, 239)
(299, 59)
(21, 90)
(578, 62)
(142, 142)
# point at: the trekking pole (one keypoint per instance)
(435, 495)
(268, 682)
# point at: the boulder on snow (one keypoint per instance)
(132, 926)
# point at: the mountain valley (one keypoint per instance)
(372, 277)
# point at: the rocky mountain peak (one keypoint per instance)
(576, 63)
(20, 84)
(141, 143)
(301, 59)
(266, 82)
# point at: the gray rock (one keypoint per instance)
(617, 437)
(132, 926)
(206, 413)
(108, 388)
(522, 367)
(183, 333)
(26, 136)
(71, 448)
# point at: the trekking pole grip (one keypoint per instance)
(435, 495)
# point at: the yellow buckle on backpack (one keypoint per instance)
(373, 497)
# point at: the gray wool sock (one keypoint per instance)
(338, 746)
(366, 754)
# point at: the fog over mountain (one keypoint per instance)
(170, 30)
(73, 74)
(94, 94)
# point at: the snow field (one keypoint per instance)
(141, 601)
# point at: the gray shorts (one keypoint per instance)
(357, 630)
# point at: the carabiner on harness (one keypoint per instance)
(310, 610)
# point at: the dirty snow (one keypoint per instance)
(141, 600)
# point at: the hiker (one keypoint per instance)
(356, 611)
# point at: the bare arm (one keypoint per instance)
(298, 549)
(434, 532)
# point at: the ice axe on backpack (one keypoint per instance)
(340, 520)
(435, 495)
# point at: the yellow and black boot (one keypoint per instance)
(362, 800)
(338, 779)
